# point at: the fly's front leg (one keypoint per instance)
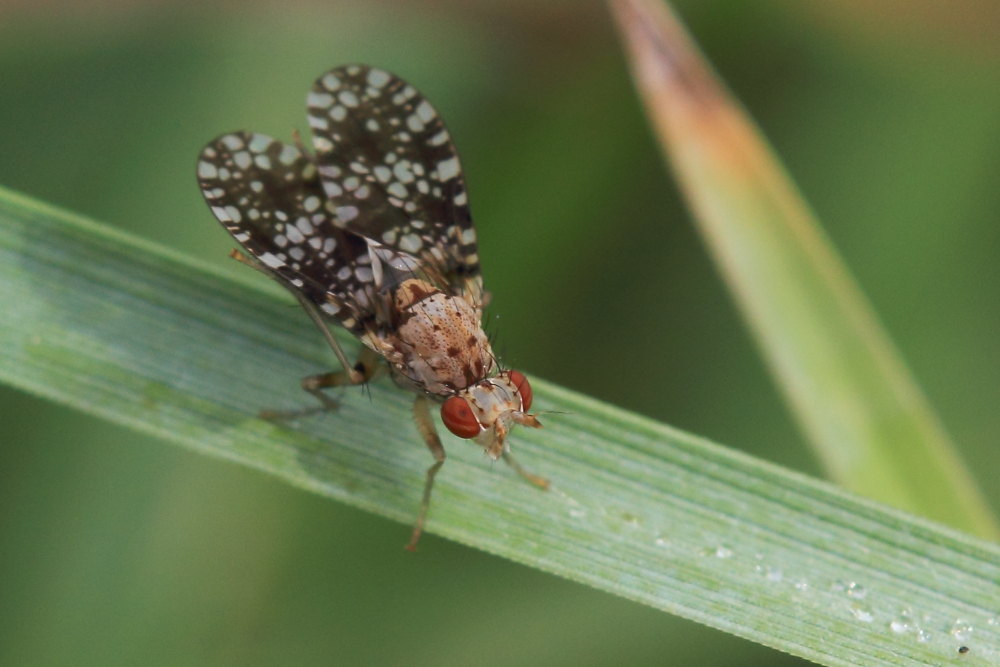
(540, 482)
(425, 425)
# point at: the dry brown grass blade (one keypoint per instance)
(845, 382)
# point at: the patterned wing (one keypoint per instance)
(267, 195)
(391, 173)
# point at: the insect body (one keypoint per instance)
(373, 233)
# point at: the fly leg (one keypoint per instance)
(359, 373)
(364, 370)
(425, 425)
(540, 482)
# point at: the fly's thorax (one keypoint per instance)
(438, 343)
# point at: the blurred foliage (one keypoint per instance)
(114, 552)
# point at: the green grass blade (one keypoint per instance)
(120, 328)
(864, 414)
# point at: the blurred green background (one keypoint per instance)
(116, 549)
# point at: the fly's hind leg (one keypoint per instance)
(425, 425)
(363, 371)
(359, 373)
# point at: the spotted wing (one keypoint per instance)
(267, 195)
(391, 173)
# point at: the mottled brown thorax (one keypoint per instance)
(439, 344)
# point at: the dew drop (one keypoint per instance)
(721, 551)
(662, 541)
(851, 588)
(770, 572)
(856, 590)
(900, 627)
(961, 630)
(905, 622)
(923, 635)
(861, 613)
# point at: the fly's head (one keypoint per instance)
(486, 410)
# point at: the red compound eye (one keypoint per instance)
(523, 388)
(457, 415)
